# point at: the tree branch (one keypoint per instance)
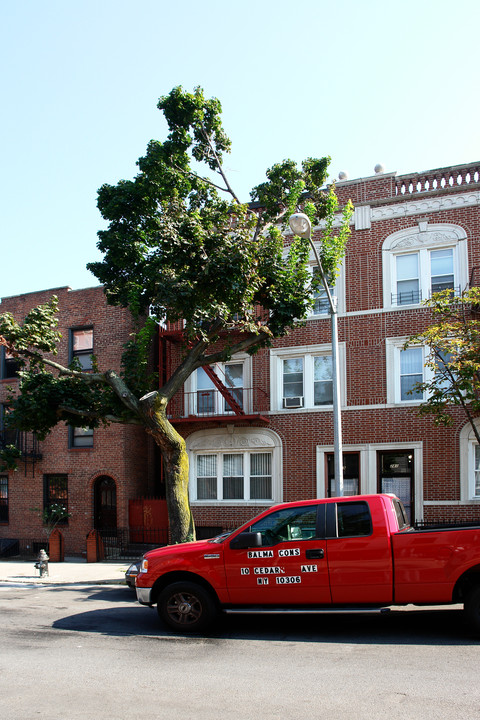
(97, 416)
(242, 346)
(219, 165)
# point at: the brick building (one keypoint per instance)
(259, 429)
(411, 235)
(93, 472)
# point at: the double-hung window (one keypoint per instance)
(476, 472)
(423, 259)
(81, 347)
(303, 379)
(411, 373)
(8, 365)
(80, 437)
(206, 398)
(422, 273)
(405, 369)
(233, 476)
(321, 305)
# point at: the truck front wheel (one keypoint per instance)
(186, 607)
(472, 608)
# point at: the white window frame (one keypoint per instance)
(246, 456)
(337, 291)
(220, 407)
(230, 440)
(422, 240)
(468, 442)
(308, 353)
(394, 348)
(369, 470)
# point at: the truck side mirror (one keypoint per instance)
(246, 540)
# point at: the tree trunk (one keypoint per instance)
(175, 465)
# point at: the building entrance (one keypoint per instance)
(105, 503)
(395, 475)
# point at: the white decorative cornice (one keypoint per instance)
(364, 215)
(425, 235)
(237, 441)
(426, 205)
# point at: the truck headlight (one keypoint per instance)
(144, 565)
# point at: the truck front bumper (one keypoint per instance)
(143, 595)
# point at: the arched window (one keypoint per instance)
(419, 261)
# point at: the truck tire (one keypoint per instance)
(186, 607)
(472, 608)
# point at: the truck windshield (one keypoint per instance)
(221, 538)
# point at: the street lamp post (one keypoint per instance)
(300, 225)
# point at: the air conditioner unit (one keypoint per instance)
(293, 402)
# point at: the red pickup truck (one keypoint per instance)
(355, 554)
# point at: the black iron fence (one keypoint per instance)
(124, 544)
(444, 524)
(21, 547)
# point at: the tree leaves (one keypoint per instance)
(453, 359)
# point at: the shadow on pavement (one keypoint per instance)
(422, 627)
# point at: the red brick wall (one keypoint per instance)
(119, 451)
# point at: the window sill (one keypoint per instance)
(232, 503)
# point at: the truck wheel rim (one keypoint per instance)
(184, 608)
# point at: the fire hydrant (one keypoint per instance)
(42, 563)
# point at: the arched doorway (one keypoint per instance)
(105, 503)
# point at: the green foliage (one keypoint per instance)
(9, 456)
(453, 342)
(175, 247)
(136, 360)
(51, 516)
(180, 246)
(35, 336)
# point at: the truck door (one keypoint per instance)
(291, 565)
(359, 554)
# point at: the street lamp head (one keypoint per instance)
(300, 225)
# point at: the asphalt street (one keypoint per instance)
(90, 651)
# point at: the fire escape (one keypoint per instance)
(26, 443)
(219, 405)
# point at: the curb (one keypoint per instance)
(52, 583)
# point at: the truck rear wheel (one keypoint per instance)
(472, 608)
(186, 606)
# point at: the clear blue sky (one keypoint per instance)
(364, 82)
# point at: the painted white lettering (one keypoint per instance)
(288, 580)
(268, 570)
(289, 552)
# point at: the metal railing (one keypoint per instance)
(445, 524)
(414, 297)
(22, 547)
(211, 403)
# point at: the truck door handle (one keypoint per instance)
(315, 554)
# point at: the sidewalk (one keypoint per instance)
(72, 571)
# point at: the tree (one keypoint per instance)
(181, 246)
(453, 359)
